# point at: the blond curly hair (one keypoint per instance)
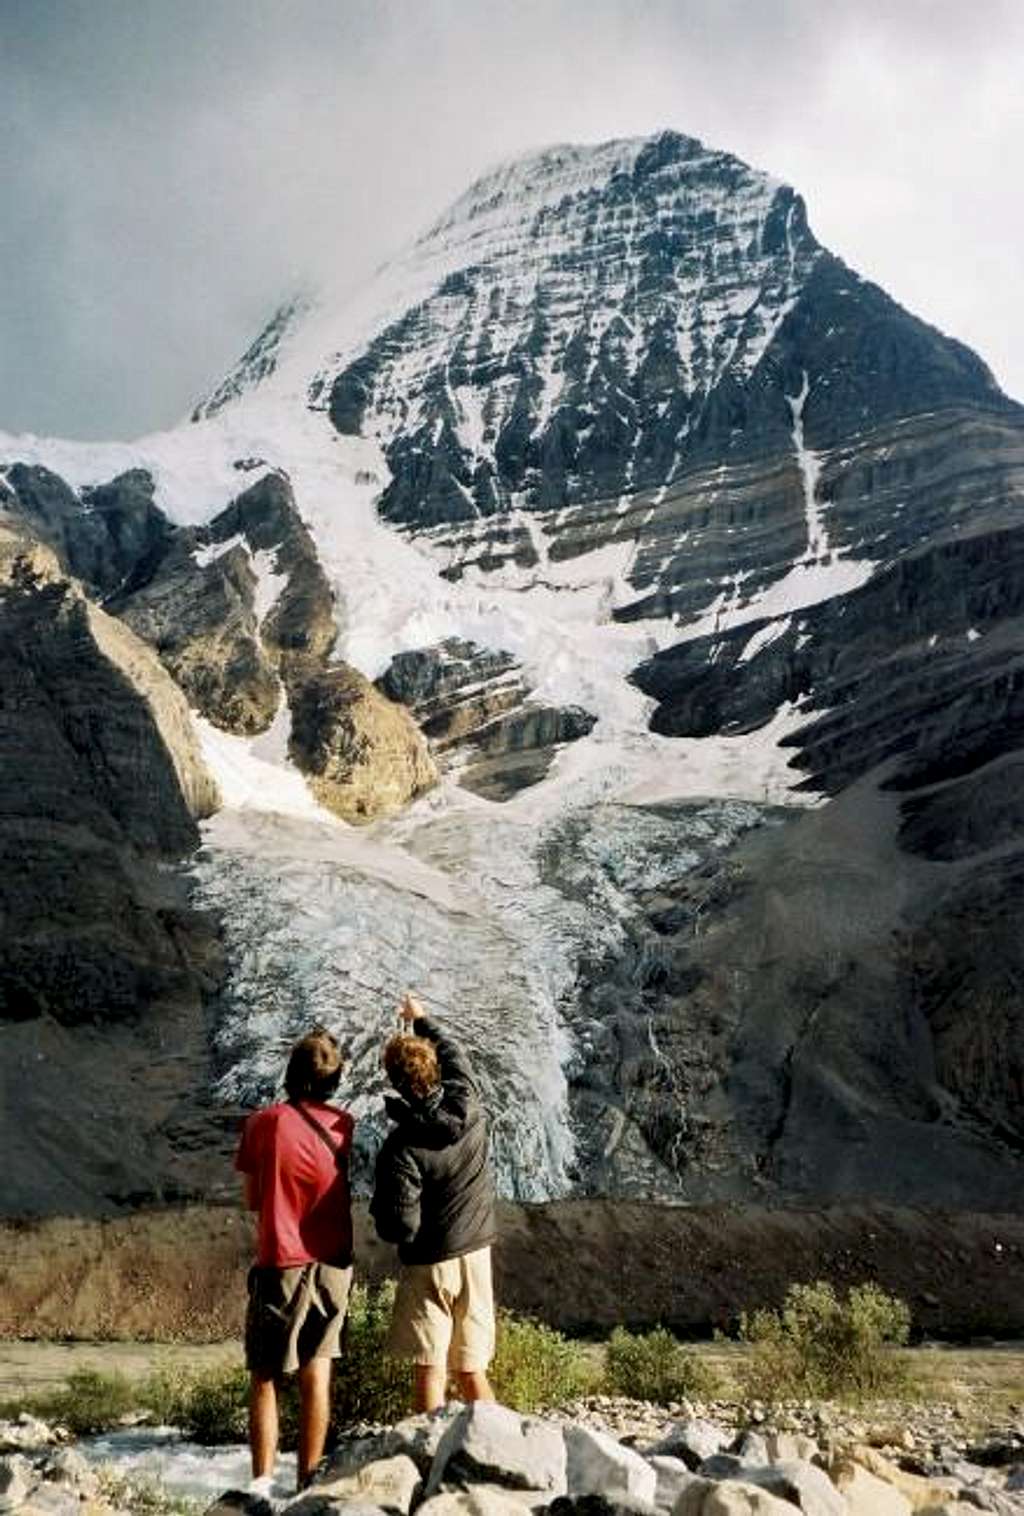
(411, 1065)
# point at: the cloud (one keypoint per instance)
(175, 168)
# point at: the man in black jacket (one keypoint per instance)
(434, 1196)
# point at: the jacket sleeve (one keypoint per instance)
(397, 1192)
(460, 1086)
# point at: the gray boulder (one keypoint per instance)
(597, 1464)
(673, 1477)
(489, 1444)
(801, 1484)
(388, 1483)
(692, 1440)
(483, 1500)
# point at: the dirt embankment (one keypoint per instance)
(582, 1265)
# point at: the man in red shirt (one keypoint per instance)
(294, 1157)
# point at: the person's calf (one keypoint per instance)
(262, 1425)
(475, 1385)
(314, 1415)
(429, 1387)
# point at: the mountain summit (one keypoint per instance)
(646, 586)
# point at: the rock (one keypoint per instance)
(388, 1483)
(673, 1477)
(866, 1494)
(313, 1503)
(692, 1440)
(28, 1433)
(921, 1493)
(365, 756)
(239, 1503)
(751, 1447)
(597, 1464)
(417, 1437)
(802, 1484)
(730, 1498)
(486, 1443)
(68, 1466)
(16, 1479)
(786, 1447)
(484, 1500)
(600, 1503)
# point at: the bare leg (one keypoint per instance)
(262, 1424)
(475, 1385)
(430, 1387)
(314, 1414)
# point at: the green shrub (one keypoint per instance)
(535, 1366)
(654, 1366)
(368, 1385)
(88, 1402)
(821, 1346)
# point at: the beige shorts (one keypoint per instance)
(444, 1313)
(294, 1315)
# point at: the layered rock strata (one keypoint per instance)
(474, 705)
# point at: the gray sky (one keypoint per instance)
(171, 169)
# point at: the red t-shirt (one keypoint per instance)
(305, 1209)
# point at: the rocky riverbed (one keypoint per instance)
(598, 1457)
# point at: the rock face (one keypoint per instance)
(103, 782)
(235, 607)
(473, 704)
(364, 754)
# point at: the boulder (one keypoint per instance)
(751, 1447)
(26, 1434)
(734, 1498)
(866, 1494)
(239, 1503)
(16, 1479)
(601, 1503)
(388, 1483)
(692, 1440)
(483, 1500)
(417, 1437)
(673, 1477)
(785, 1447)
(802, 1484)
(489, 1444)
(920, 1493)
(597, 1464)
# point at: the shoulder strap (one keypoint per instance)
(335, 1150)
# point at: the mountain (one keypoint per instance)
(608, 623)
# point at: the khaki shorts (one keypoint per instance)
(444, 1313)
(294, 1315)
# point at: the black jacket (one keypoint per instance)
(433, 1192)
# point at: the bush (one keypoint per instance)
(368, 1385)
(88, 1402)
(535, 1366)
(654, 1366)
(821, 1346)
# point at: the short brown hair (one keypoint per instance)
(412, 1066)
(314, 1066)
